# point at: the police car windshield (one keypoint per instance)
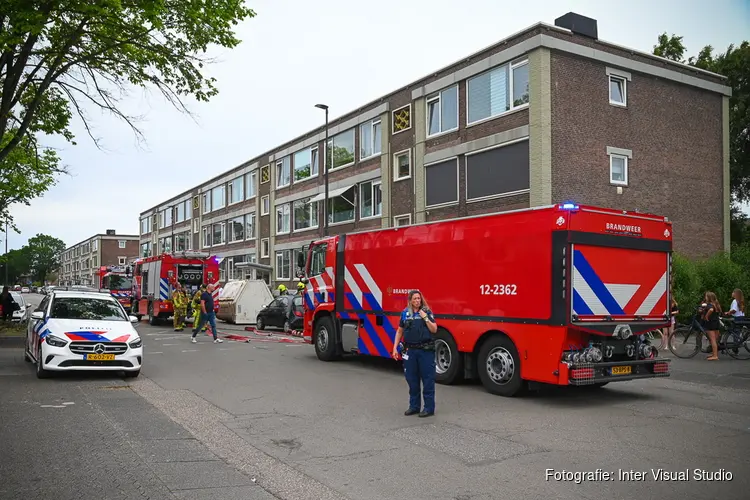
(86, 308)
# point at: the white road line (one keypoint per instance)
(155, 352)
(190, 350)
(170, 344)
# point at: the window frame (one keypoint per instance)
(230, 190)
(276, 225)
(230, 237)
(251, 177)
(438, 96)
(484, 150)
(282, 253)
(354, 208)
(372, 183)
(402, 216)
(267, 168)
(223, 189)
(396, 178)
(371, 124)
(251, 215)
(314, 165)
(512, 66)
(458, 189)
(206, 230)
(223, 237)
(122, 243)
(206, 202)
(626, 166)
(265, 205)
(332, 142)
(196, 226)
(624, 81)
(286, 160)
(265, 248)
(311, 212)
(393, 121)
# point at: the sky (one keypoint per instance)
(294, 54)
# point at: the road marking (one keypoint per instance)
(190, 350)
(52, 406)
(69, 403)
(170, 344)
(155, 352)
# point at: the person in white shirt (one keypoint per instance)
(737, 309)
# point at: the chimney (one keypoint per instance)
(110, 232)
(578, 24)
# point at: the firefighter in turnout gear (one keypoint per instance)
(196, 305)
(300, 288)
(179, 303)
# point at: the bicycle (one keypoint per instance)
(734, 339)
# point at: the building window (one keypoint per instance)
(250, 226)
(499, 171)
(237, 190)
(265, 205)
(282, 218)
(401, 119)
(341, 148)
(402, 220)
(370, 199)
(442, 111)
(305, 214)
(121, 261)
(497, 91)
(252, 184)
(265, 245)
(145, 225)
(283, 172)
(618, 165)
(265, 174)
(305, 164)
(206, 202)
(402, 165)
(218, 197)
(441, 183)
(122, 243)
(206, 236)
(145, 250)
(237, 229)
(283, 264)
(182, 241)
(168, 217)
(219, 234)
(370, 139)
(196, 204)
(341, 208)
(196, 225)
(618, 90)
(179, 212)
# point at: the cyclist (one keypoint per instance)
(710, 313)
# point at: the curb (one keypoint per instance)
(11, 342)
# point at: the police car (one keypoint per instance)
(82, 330)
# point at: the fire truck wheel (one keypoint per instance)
(153, 321)
(325, 339)
(499, 366)
(448, 361)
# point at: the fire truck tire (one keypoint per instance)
(325, 340)
(152, 320)
(499, 367)
(448, 361)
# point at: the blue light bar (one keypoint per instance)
(568, 206)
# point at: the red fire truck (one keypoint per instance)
(119, 282)
(554, 295)
(154, 278)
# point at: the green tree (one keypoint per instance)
(44, 253)
(58, 57)
(735, 65)
(18, 263)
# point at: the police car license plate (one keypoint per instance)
(99, 357)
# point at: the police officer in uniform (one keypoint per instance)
(417, 327)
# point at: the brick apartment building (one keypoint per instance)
(548, 114)
(79, 263)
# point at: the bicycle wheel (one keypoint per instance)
(737, 343)
(686, 341)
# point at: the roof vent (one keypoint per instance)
(110, 232)
(578, 24)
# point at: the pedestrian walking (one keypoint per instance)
(179, 304)
(196, 306)
(711, 311)
(207, 314)
(8, 304)
(417, 327)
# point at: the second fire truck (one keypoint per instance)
(154, 279)
(118, 280)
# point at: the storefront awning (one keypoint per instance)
(331, 193)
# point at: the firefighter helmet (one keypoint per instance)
(282, 288)
(300, 286)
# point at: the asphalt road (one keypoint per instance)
(273, 419)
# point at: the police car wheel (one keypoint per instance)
(448, 361)
(499, 367)
(40, 371)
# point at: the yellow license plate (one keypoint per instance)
(621, 370)
(100, 357)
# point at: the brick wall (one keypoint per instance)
(674, 132)
(110, 251)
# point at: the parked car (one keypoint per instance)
(286, 312)
(23, 313)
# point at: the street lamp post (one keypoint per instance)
(325, 174)
(6, 253)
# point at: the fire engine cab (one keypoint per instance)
(118, 280)
(550, 295)
(154, 279)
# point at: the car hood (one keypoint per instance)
(91, 331)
